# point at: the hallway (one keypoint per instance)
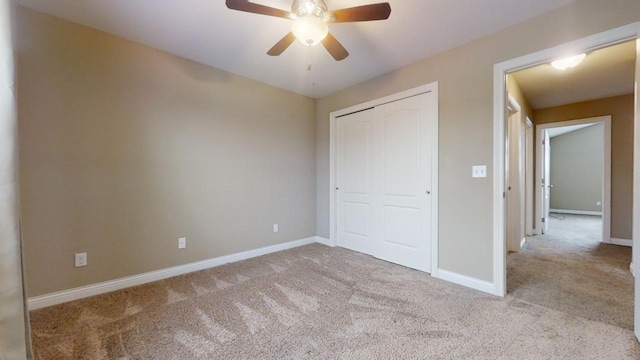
(569, 270)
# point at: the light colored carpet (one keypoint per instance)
(570, 270)
(316, 302)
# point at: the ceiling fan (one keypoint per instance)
(310, 19)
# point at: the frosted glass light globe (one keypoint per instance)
(310, 30)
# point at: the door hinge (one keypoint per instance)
(544, 220)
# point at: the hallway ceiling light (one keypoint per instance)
(568, 62)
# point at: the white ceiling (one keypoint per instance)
(603, 73)
(207, 32)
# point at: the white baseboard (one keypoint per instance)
(522, 242)
(324, 241)
(575, 212)
(467, 281)
(621, 242)
(60, 297)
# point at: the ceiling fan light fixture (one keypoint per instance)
(310, 22)
(568, 62)
(310, 30)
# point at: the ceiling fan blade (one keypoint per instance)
(245, 5)
(282, 45)
(363, 13)
(334, 48)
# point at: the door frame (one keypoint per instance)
(333, 128)
(515, 191)
(606, 173)
(529, 183)
(635, 264)
(500, 71)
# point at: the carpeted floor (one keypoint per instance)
(316, 302)
(570, 270)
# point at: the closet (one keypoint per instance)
(385, 170)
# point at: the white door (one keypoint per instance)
(529, 195)
(512, 168)
(384, 178)
(354, 213)
(402, 181)
(546, 181)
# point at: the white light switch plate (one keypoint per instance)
(275, 228)
(182, 243)
(479, 171)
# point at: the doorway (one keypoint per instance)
(582, 163)
(608, 38)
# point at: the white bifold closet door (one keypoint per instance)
(384, 160)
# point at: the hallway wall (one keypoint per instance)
(577, 160)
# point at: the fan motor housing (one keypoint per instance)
(315, 8)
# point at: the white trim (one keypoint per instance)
(617, 35)
(576, 212)
(60, 297)
(499, 180)
(606, 172)
(522, 242)
(636, 192)
(324, 241)
(622, 242)
(513, 103)
(631, 269)
(464, 280)
(333, 128)
(435, 186)
(529, 186)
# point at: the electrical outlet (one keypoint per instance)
(81, 259)
(479, 171)
(182, 243)
(598, 203)
(275, 228)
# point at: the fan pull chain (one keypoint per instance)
(309, 64)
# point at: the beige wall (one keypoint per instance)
(125, 148)
(14, 342)
(465, 76)
(621, 109)
(577, 160)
